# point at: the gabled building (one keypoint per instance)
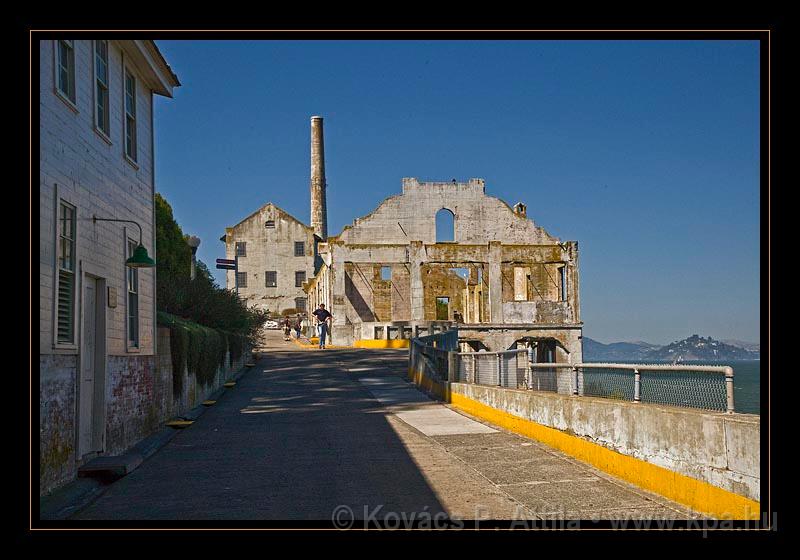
(97, 320)
(276, 254)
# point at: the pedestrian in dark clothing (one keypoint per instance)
(323, 317)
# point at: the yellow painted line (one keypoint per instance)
(696, 494)
(209, 403)
(180, 424)
(402, 343)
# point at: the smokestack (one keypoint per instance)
(319, 207)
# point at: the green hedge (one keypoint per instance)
(200, 349)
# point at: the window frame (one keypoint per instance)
(305, 277)
(105, 133)
(269, 224)
(267, 276)
(132, 344)
(241, 281)
(237, 245)
(301, 308)
(302, 245)
(71, 101)
(73, 342)
(126, 125)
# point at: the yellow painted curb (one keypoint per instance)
(696, 494)
(209, 403)
(401, 343)
(180, 424)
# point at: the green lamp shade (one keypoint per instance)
(140, 259)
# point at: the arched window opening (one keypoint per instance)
(445, 226)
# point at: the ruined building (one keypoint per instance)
(444, 253)
(438, 254)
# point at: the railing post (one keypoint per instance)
(729, 389)
(637, 386)
(575, 380)
(529, 381)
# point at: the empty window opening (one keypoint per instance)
(386, 273)
(270, 224)
(445, 226)
(521, 276)
(563, 274)
(442, 308)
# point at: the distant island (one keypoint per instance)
(693, 348)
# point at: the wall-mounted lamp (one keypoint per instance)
(140, 258)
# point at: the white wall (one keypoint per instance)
(93, 175)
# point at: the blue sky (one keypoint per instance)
(645, 152)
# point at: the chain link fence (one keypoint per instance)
(701, 387)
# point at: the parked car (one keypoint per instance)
(270, 324)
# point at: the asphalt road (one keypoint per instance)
(340, 434)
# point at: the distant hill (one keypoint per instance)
(594, 351)
(698, 348)
(693, 348)
(752, 346)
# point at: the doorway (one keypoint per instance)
(91, 387)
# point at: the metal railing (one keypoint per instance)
(704, 387)
(691, 386)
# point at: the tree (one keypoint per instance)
(200, 300)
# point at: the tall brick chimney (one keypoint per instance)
(319, 207)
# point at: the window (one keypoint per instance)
(270, 224)
(130, 116)
(445, 226)
(386, 273)
(271, 278)
(300, 303)
(101, 86)
(442, 308)
(65, 69)
(241, 279)
(241, 248)
(563, 273)
(299, 249)
(299, 278)
(66, 274)
(133, 298)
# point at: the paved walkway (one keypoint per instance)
(310, 431)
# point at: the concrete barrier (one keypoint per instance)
(707, 461)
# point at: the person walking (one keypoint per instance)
(298, 325)
(323, 317)
(287, 328)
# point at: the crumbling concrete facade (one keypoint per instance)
(505, 281)
(276, 256)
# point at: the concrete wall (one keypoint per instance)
(478, 218)
(271, 249)
(718, 448)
